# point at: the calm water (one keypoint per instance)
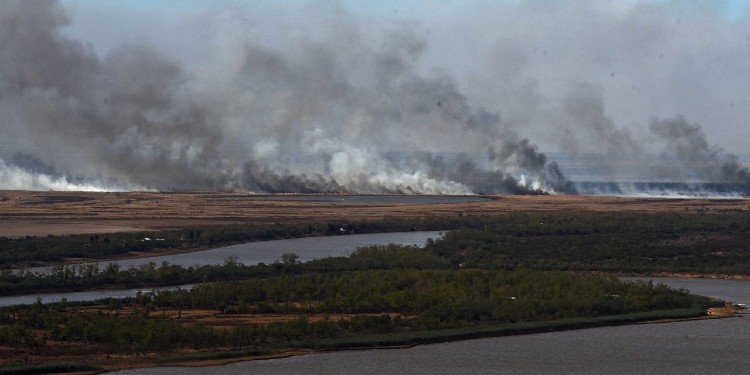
(720, 346)
(307, 248)
(91, 295)
(735, 291)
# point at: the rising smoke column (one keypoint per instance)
(321, 114)
(688, 156)
(673, 158)
(344, 104)
(121, 119)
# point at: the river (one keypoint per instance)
(717, 346)
(307, 248)
(720, 346)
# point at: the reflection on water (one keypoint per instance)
(719, 346)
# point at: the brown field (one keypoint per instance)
(26, 213)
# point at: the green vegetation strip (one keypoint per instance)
(455, 334)
(30, 251)
(488, 276)
(642, 243)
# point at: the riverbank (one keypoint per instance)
(402, 341)
(54, 362)
(442, 336)
(688, 275)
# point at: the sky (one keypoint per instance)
(457, 32)
(318, 95)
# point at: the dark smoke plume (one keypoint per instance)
(313, 117)
(688, 156)
(329, 102)
(679, 162)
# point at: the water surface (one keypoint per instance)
(90, 295)
(718, 346)
(307, 248)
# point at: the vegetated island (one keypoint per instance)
(491, 275)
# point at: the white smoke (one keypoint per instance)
(317, 99)
(15, 178)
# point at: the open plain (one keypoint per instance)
(33, 213)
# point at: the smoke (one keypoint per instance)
(321, 100)
(16, 178)
(317, 116)
(673, 158)
(688, 156)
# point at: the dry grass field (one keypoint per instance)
(27, 213)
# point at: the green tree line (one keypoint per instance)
(31, 251)
(384, 301)
(577, 241)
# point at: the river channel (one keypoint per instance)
(717, 346)
(307, 249)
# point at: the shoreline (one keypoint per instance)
(686, 275)
(675, 275)
(391, 341)
(728, 311)
(160, 252)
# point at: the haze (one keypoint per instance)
(453, 98)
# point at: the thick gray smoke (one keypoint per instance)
(688, 156)
(332, 102)
(316, 116)
(673, 158)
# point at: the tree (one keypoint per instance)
(289, 258)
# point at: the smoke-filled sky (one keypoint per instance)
(417, 96)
